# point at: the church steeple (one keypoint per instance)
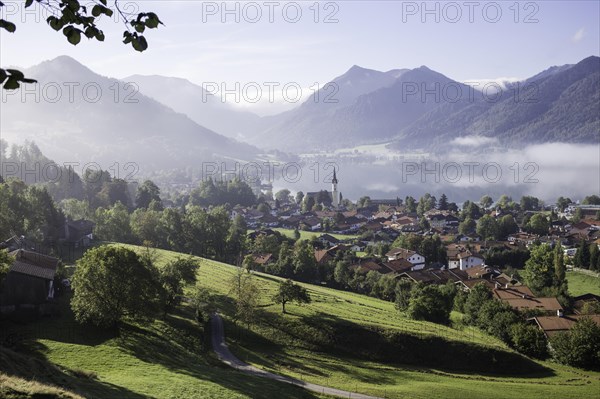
(334, 191)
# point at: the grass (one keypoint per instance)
(169, 358)
(19, 388)
(307, 235)
(580, 283)
(289, 344)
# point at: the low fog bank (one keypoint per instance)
(546, 171)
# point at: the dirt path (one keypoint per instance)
(223, 353)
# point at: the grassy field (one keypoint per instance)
(288, 344)
(580, 283)
(170, 358)
(307, 235)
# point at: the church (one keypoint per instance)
(333, 197)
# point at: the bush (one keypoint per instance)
(496, 318)
(529, 340)
(430, 303)
(579, 347)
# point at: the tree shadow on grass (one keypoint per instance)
(395, 347)
(34, 366)
(179, 344)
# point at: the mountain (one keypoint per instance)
(200, 105)
(76, 115)
(423, 109)
(561, 104)
(373, 107)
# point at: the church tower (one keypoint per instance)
(335, 196)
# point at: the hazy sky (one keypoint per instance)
(464, 40)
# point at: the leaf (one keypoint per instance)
(103, 2)
(26, 80)
(3, 75)
(140, 43)
(90, 32)
(128, 37)
(9, 26)
(100, 36)
(28, 3)
(15, 74)
(73, 5)
(140, 28)
(74, 37)
(11, 84)
(97, 10)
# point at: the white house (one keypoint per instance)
(413, 257)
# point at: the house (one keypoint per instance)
(416, 259)
(79, 233)
(431, 276)
(262, 259)
(459, 257)
(580, 301)
(312, 223)
(328, 239)
(367, 265)
(468, 259)
(399, 265)
(552, 325)
(30, 280)
(521, 298)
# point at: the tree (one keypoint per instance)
(470, 210)
(246, 294)
(112, 284)
(403, 292)
(529, 203)
(75, 20)
(113, 224)
(478, 295)
(562, 203)
(304, 262)
(582, 256)
(5, 262)
(429, 303)
(577, 216)
(529, 340)
(283, 195)
(507, 226)
(410, 203)
(559, 265)
(443, 202)
(363, 202)
(203, 304)
(467, 226)
(486, 201)
(299, 197)
(496, 318)
(538, 224)
(249, 264)
(487, 227)
(594, 257)
(308, 203)
(539, 268)
(290, 292)
(591, 200)
(580, 346)
(146, 193)
(175, 275)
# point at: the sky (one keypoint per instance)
(306, 44)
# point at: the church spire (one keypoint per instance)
(334, 191)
